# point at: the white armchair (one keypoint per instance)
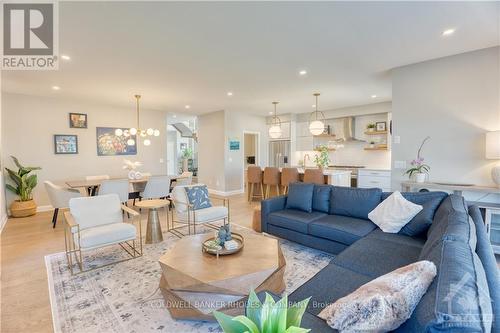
(95, 222)
(59, 198)
(187, 215)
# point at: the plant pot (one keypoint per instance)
(20, 208)
(185, 165)
(420, 177)
(371, 129)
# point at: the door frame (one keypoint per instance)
(257, 155)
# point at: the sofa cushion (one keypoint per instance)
(300, 196)
(293, 219)
(430, 202)
(321, 198)
(327, 286)
(375, 255)
(106, 234)
(342, 229)
(354, 202)
(458, 297)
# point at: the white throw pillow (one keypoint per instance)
(382, 304)
(394, 213)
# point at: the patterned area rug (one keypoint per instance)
(125, 297)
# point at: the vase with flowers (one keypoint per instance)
(419, 170)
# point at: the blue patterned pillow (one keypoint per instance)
(198, 197)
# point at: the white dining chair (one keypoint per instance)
(156, 187)
(184, 179)
(117, 186)
(97, 222)
(59, 197)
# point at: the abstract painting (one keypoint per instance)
(109, 144)
(65, 144)
(77, 120)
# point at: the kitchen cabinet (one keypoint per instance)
(492, 222)
(369, 178)
(304, 143)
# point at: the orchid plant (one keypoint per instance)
(418, 165)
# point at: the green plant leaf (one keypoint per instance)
(14, 176)
(16, 162)
(294, 329)
(252, 328)
(267, 314)
(31, 181)
(295, 313)
(280, 310)
(228, 324)
(253, 309)
(12, 188)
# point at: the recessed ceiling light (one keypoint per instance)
(314, 105)
(373, 96)
(56, 88)
(448, 32)
(270, 112)
(65, 57)
(187, 106)
(303, 72)
(230, 93)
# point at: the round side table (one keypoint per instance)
(153, 230)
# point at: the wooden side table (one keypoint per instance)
(256, 224)
(153, 230)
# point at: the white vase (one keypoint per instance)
(420, 177)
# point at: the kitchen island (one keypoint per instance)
(332, 176)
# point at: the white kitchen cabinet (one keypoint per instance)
(304, 143)
(369, 178)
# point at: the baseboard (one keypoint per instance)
(45, 208)
(226, 193)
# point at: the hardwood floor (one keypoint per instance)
(25, 304)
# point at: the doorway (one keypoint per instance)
(251, 152)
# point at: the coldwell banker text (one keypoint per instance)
(30, 36)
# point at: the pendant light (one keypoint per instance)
(275, 129)
(316, 126)
(146, 134)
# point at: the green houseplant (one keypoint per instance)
(23, 184)
(370, 127)
(322, 159)
(267, 317)
(186, 154)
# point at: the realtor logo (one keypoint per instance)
(30, 36)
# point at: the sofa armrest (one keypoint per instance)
(269, 206)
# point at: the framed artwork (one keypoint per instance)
(109, 144)
(65, 144)
(381, 126)
(78, 120)
(234, 144)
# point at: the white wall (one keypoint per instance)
(29, 123)
(3, 204)
(455, 101)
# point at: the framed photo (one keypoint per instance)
(381, 126)
(65, 144)
(234, 144)
(109, 144)
(78, 120)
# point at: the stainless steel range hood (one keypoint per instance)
(344, 129)
(185, 131)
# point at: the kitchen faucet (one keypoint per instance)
(308, 157)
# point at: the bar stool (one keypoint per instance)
(254, 177)
(271, 178)
(314, 176)
(288, 175)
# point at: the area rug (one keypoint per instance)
(125, 297)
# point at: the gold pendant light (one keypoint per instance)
(275, 129)
(316, 126)
(146, 134)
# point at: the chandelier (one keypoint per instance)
(316, 126)
(141, 133)
(275, 129)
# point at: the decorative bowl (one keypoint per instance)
(223, 252)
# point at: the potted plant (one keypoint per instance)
(418, 169)
(187, 153)
(24, 183)
(322, 159)
(370, 127)
(270, 317)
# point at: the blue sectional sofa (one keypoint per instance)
(464, 296)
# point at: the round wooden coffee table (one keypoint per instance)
(153, 230)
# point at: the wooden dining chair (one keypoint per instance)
(314, 176)
(288, 175)
(271, 179)
(254, 178)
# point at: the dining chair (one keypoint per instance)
(59, 197)
(92, 190)
(117, 186)
(157, 187)
(137, 187)
(97, 222)
(254, 178)
(314, 176)
(185, 178)
(271, 178)
(288, 175)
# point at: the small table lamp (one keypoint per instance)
(493, 153)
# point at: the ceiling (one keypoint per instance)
(194, 53)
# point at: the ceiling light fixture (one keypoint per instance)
(316, 126)
(448, 32)
(275, 129)
(373, 96)
(230, 93)
(56, 88)
(303, 72)
(131, 132)
(313, 106)
(187, 106)
(65, 57)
